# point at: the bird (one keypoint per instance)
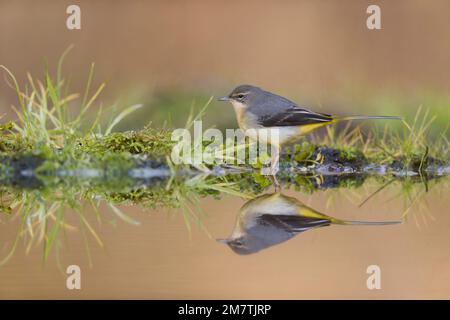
(262, 110)
(273, 218)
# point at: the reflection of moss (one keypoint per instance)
(304, 184)
(150, 198)
(261, 180)
(8, 197)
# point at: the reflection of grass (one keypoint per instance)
(53, 125)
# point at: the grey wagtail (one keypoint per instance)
(274, 218)
(261, 110)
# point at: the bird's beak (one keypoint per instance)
(223, 241)
(224, 99)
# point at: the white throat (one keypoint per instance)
(239, 109)
(237, 106)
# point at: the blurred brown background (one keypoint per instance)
(317, 52)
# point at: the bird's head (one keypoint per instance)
(242, 95)
(238, 245)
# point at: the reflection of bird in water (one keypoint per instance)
(273, 218)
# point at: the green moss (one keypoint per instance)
(11, 142)
(350, 154)
(304, 152)
(155, 142)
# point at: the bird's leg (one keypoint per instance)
(274, 160)
(273, 179)
(271, 171)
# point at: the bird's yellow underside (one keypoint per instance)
(308, 128)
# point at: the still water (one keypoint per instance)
(290, 259)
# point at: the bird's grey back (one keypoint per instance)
(261, 236)
(269, 230)
(271, 110)
(267, 103)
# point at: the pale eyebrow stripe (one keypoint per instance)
(236, 94)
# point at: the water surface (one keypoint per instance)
(160, 258)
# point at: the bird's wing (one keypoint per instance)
(293, 116)
(292, 223)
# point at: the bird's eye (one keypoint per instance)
(240, 96)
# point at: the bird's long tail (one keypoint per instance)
(348, 118)
(365, 223)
